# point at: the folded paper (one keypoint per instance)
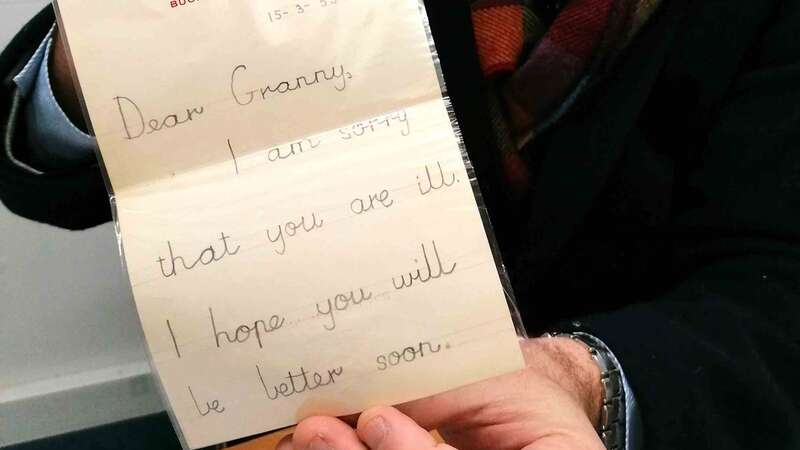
(297, 218)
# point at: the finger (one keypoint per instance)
(386, 428)
(325, 433)
(464, 403)
(563, 442)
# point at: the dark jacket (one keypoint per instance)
(664, 214)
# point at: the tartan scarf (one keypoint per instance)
(539, 55)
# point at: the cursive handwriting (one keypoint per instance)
(207, 256)
(407, 355)
(360, 206)
(290, 229)
(299, 382)
(340, 302)
(430, 273)
(174, 341)
(233, 155)
(279, 153)
(135, 125)
(276, 154)
(338, 76)
(244, 332)
(376, 124)
(213, 405)
(435, 182)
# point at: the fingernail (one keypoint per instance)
(375, 431)
(318, 444)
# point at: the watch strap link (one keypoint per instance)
(612, 415)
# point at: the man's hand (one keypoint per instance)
(553, 404)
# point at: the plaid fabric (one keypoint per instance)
(537, 55)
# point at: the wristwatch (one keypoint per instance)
(612, 416)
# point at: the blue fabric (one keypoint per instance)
(55, 141)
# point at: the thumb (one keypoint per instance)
(386, 428)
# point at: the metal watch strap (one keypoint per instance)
(612, 416)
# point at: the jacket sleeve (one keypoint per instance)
(54, 141)
(73, 198)
(715, 361)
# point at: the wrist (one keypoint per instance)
(568, 363)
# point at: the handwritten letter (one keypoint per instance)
(298, 224)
